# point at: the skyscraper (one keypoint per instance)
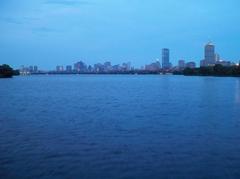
(166, 58)
(210, 53)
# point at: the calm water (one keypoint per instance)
(119, 127)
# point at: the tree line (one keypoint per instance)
(217, 70)
(7, 72)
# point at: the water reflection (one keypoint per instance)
(237, 91)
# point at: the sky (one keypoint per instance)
(48, 33)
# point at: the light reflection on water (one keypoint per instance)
(237, 91)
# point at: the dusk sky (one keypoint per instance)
(60, 32)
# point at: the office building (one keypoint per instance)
(69, 68)
(166, 58)
(181, 64)
(80, 67)
(126, 66)
(35, 68)
(59, 68)
(107, 66)
(153, 66)
(209, 55)
(30, 69)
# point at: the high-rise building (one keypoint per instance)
(210, 58)
(210, 53)
(166, 58)
(35, 68)
(181, 64)
(69, 68)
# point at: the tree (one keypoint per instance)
(205, 71)
(6, 71)
(219, 70)
(189, 72)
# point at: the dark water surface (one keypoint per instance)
(109, 127)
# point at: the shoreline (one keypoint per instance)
(130, 74)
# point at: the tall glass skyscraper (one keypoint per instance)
(166, 58)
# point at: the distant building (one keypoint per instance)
(107, 66)
(99, 67)
(217, 57)
(209, 55)
(126, 66)
(224, 63)
(191, 65)
(35, 68)
(153, 66)
(24, 70)
(181, 64)
(80, 67)
(116, 68)
(203, 63)
(166, 58)
(59, 68)
(30, 69)
(69, 68)
(90, 68)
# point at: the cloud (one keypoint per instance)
(67, 2)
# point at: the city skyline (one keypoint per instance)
(118, 89)
(46, 32)
(211, 58)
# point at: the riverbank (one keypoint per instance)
(217, 70)
(102, 73)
